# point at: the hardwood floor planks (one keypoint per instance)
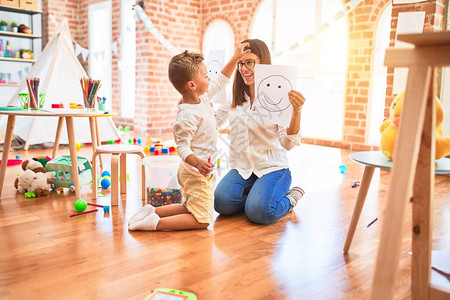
(46, 254)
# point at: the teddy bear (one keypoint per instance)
(34, 179)
(390, 126)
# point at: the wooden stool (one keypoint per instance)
(413, 171)
(116, 151)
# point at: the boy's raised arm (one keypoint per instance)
(238, 53)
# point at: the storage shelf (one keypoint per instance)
(20, 34)
(17, 59)
(19, 10)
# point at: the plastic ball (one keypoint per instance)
(146, 148)
(130, 141)
(105, 183)
(111, 142)
(80, 205)
(139, 141)
(17, 156)
(120, 128)
(127, 128)
(342, 168)
(106, 173)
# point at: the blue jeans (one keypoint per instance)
(262, 199)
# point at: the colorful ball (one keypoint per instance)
(127, 128)
(106, 173)
(120, 128)
(105, 183)
(80, 205)
(342, 168)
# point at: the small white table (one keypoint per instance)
(372, 160)
(62, 114)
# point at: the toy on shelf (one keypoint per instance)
(62, 166)
(24, 29)
(8, 51)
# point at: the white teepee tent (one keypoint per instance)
(60, 72)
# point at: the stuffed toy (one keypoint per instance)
(37, 183)
(34, 179)
(33, 165)
(390, 126)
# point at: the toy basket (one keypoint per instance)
(161, 180)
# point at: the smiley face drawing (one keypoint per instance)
(214, 67)
(273, 92)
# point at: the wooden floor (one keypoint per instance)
(44, 254)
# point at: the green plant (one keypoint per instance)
(3, 23)
(14, 24)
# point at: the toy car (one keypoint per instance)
(62, 167)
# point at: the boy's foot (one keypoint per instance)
(141, 214)
(294, 195)
(148, 223)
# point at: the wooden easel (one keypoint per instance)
(413, 171)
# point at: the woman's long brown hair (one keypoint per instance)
(259, 48)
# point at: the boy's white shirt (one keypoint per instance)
(256, 147)
(195, 129)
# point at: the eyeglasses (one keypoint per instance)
(249, 64)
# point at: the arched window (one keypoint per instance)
(219, 36)
(321, 56)
(377, 91)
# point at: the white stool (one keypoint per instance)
(116, 151)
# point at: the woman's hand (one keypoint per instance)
(297, 100)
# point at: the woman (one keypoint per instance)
(259, 180)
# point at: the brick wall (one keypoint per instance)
(183, 24)
(60, 9)
(180, 23)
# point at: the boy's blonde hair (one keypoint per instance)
(182, 68)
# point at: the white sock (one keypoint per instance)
(294, 195)
(148, 223)
(141, 214)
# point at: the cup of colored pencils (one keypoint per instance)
(33, 91)
(90, 88)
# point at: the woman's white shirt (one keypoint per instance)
(256, 146)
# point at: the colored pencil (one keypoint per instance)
(84, 212)
(93, 204)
